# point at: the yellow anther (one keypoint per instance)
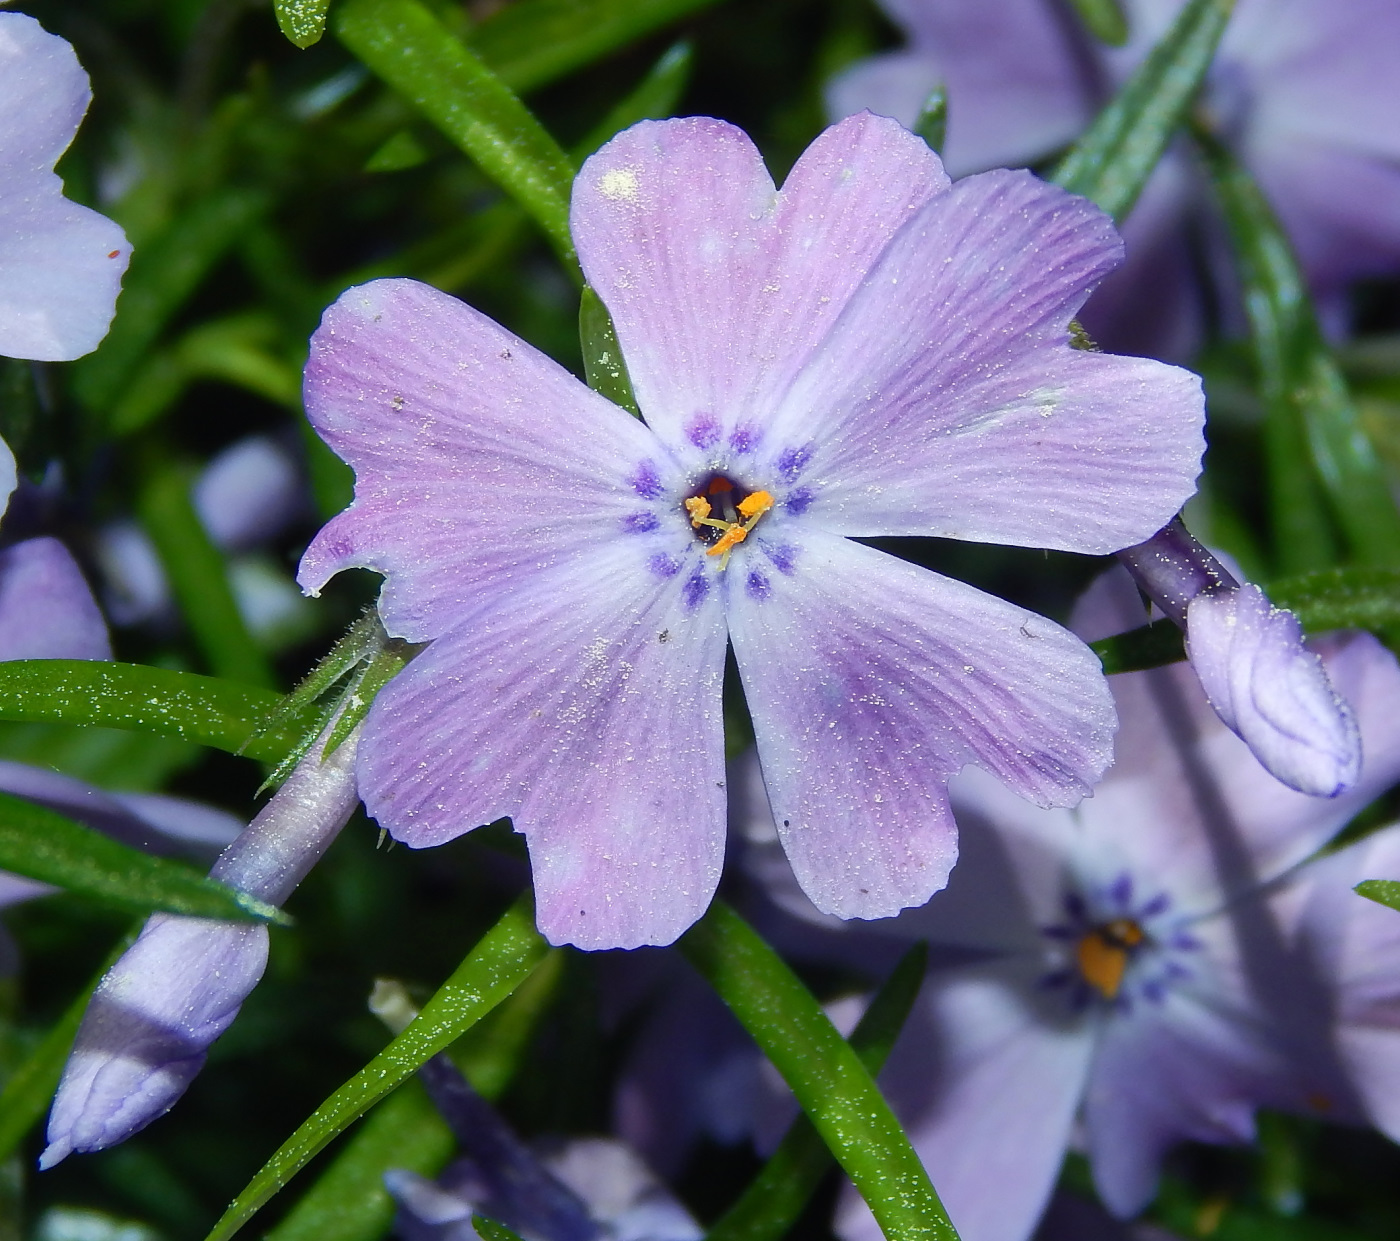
(699, 509)
(1102, 954)
(754, 505)
(727, 542)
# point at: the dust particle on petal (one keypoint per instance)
(619, 183)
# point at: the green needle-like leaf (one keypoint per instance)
(1311, 418)
(1104, 20)
(533, 42)
(41, 844)
(222, 714)
(29, 1091)
(1148, 646)
(505, 956)
(826, 1075)
(1117, 153)
(406, 45)
(1342, 599)
(489, 1229)
(302, 21)
(348, 1202)
(932, 122)
(199, 577)
(603, 365)
(778, 1195)
(1382, 891)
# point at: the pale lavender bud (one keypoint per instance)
(46, 608)
(1268, 687)
(1250, 658)
(155, 1014)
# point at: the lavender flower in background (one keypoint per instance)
(1302, 90)
(154, 1015)
(1354, 944)
(870, 351)
(247, 496)
(1252, 663)
(1118, 966)
(60, 264)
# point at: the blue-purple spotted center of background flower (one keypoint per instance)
(732, 471)
(1116, 948)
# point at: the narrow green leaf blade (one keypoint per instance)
(534, 42)
(405, 44)
(825, 1074)
(41, 844)
(505, 956)
(932, 122)
(489, 1229)
(603, 364)
(1309, 408)
(1342, 599)
(222, 714)
(772, 1204)
(302, 21)
(1104, 20)
(349, 1201)
(29, 1091)
(1148, 646)
(1382, 891)
(1117, 153)
(199, 577)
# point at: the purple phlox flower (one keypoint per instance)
(156, 1012)
(1123, 973)
(60, 264)
(1262, 680)
(1302, 90)
(247, 496)
(869, 351)
(593, 1189)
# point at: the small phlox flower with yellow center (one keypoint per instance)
(1147, 968)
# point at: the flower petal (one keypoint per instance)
(987, 1086)
(60, 264)
(586, 706)
(1272, 691)
(1354, 944)
(1189, 1067)
(477, 459)
(1018, 84)
(871, 682)
(721, 287)
(947, 401)
(46, 608)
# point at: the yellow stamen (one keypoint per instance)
(1102, 954)
(755, 505)
(728, 541)
(699, 509)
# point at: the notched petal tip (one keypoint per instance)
(1272, 691)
